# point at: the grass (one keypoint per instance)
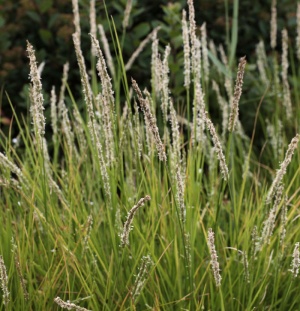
(198, 242)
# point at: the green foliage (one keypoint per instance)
(61, 229)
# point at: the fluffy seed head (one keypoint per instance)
(69, 305)
(146, 263)
(93, 26)
(296, 261)
(237, 94)
(152, 127)
(285, 65)
(127, 13)
(214, 257)
(283, 166)
(36, 96)
(262, 61)
(4, 281)
(127, 225)
(192, 33)
(218, 147)
(273, 24)
(204, 52)
(186, 51)
(76, 17)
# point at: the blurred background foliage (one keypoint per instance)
(48, 25)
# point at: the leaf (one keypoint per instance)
(141, 30)
(34, 16)
(46, 36)
(52, 20)
(45, 5)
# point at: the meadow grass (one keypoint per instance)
(133, 206)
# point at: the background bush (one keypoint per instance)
(48, 25)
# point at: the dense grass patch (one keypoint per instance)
(148, 204)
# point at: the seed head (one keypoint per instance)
(214, 257)
(234, 113)
(127, 225)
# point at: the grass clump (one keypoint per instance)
(207, 239)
